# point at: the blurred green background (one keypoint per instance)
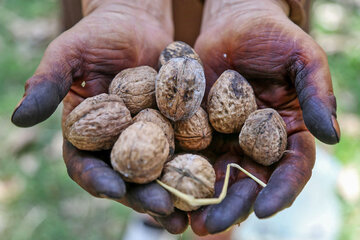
(37, 198)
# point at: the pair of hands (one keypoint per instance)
(287, 69)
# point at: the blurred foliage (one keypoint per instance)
(336, 26)
(37, 198)
(32, 9)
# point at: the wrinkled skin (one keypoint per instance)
(111, 38)
(289, 72)
(286, 68)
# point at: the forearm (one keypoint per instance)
(299, 12)
(159, 10)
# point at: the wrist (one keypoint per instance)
(154, 11)
(283, 5)
(244, 9)
(298, 11)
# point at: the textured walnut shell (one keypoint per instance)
(263, 136)
(95, 124)
(180, 88)
(136, 86)
(140, 152)
(195, 133)
(190, 174)
(154, 116)
(177, 49)
(231, 100)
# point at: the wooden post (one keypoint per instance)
(71, 13)
(187, 16)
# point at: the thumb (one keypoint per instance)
(312, 80)
(48, 86)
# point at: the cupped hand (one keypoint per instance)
(288, 72)
(81, 63)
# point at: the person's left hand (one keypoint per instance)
(288, 72)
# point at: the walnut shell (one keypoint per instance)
(136, 86)
(95, 124)
(177, 49)
(231, 99)
(195, 133)
(263, 136)
(190, 174)
(154, 116)
(140, 152)
(180, 88)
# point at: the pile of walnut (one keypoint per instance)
(145, 111)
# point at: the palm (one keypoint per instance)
(104, 48)
(263, 58)
(267, 57)
(107, 47)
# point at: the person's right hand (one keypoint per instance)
(113, 35)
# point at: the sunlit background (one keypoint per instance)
(39, 201)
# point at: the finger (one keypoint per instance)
(92, 173)
(235, 208)
(150, 198)
(312, 80)
(198, 217)
(289, 177)
(49, 85)
(175, 223)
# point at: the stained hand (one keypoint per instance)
(80, 63)
(288, 72)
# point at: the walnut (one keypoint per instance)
(140, 152)
(136, 86)
(263, 136)
(177, 49)
(180, 88)
(154, 116)
(95, 124)
(195, 133)
(231, 99)
(190, 174)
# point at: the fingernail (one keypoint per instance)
(154, 214)
(19, 116)
(40, 102)
(104, 196)
(19, 104)
(114, 197)
(336, 127)
(15, 109)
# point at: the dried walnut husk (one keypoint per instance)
(154, 116)
(177, 49)
(140, 152)
(95, 124)
(231, 100)
(136, 86)
(195, 133)
(180, 88)
(263, 136)
(190, 174)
